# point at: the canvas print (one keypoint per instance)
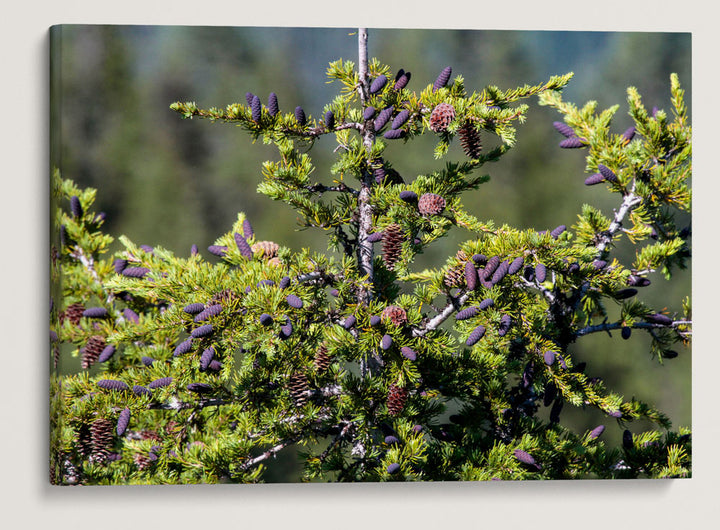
(368, 255)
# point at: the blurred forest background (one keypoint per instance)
(172, 182)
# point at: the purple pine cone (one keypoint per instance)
(135, 272)
(555, 411)
(329, 120)
(564, 129)
(471, 276)
(300, 115)
(350, 322)
(516, 265)
(123, 421)
(294, 301)
(391, 440)
(479, 259)
(607, 173)
(393, 468)
(147, 361)
(256, 109)
(394, 134)
(159, 383)
(369, 113)
(375, 320)
(615, 414)
(243, 246)
(263, 283)
(596, 432)
(95, 312)
(402, 80)
(273, 107)
(378, 83)
(500, 272)
(284, 282)
(625, 332)
(206, 358)
(375, 237)
(627, 439)
(112, 384)
(442, 79)
(266, 320)
(131, 315)
(638, 281)
(659, 318)
(286, 330)
(467, 313)
(599, 264)
(247, 230)
(572, 143)
(409, 353)
(334, 292)
(475, 335)
(383, 117)
(75, 207)
(559, 230)
(202, 331)
(194, 309)
(491, 266)
(629, 134)
(622, 294)
(408, 196)
(488, 302)
(505, 323)
(386, 342)
(106, 354)
(595, 178)
(140, 390)
(540, 272)
(215, 366)
(199, 388)
(249, 97)
(146, 248)
(524, 457)
(194, 250)
(53, 336)
(400, 119)
(218, 250)
(549, 357)
(119, 265)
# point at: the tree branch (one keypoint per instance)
(435, 322)
(637, 325)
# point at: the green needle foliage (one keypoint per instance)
(202, 368)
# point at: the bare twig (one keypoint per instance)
(435, 322)
(636, 325)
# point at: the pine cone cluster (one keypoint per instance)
(470, 140)
(441, 117)
(298, 387)
(92, 350)
(396, 399)
(395, 314)
(392, 245)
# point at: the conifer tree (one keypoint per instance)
(201, 368)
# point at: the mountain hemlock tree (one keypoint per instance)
(207, 367)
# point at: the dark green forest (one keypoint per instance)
(171, 182)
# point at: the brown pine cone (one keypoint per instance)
(470, 140)
(392, 245)
(441, 117)
(298, 385)
(265, 249)
(92, 350)
(73, 313)
(395, 314)
(396, 399)
(455, 276)
(431, 204)
(101, 439)
(322, 359)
